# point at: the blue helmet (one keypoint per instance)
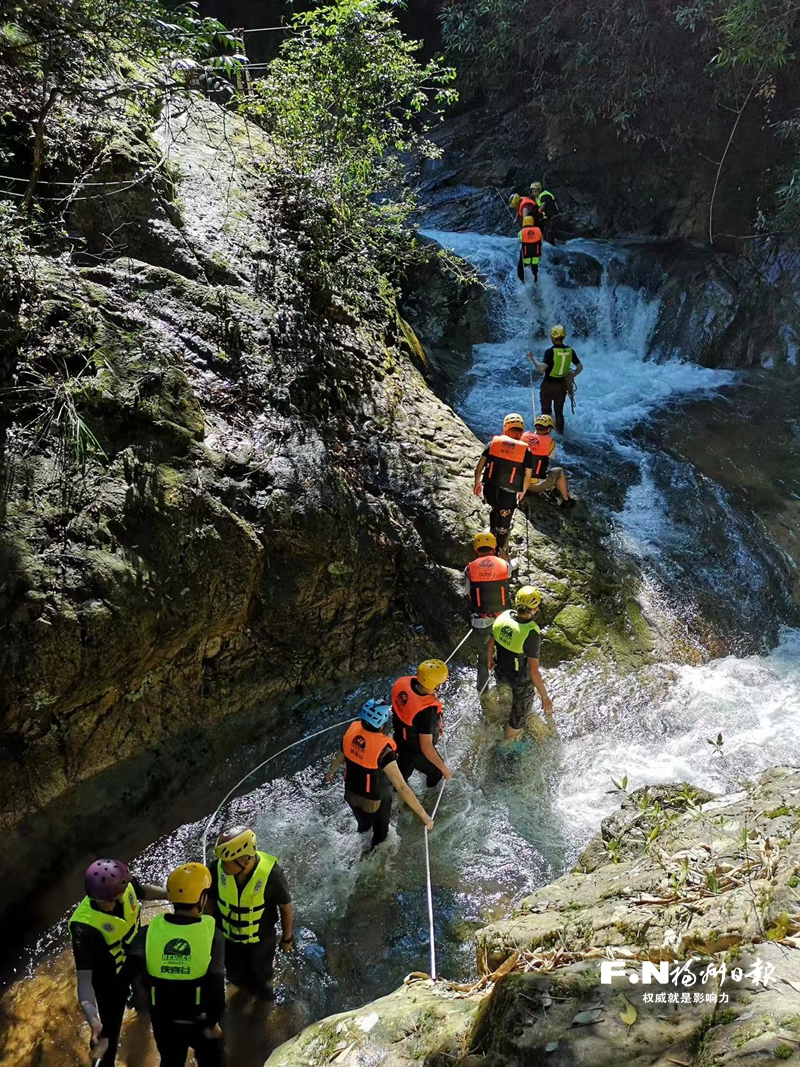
(374, 713)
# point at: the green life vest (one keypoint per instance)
(241, 914)
(511, 634)
(540, 200)
(562, 361)
(179, 951)
(116, 932)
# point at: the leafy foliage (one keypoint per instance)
(82, 53)
(345, 102)
(651, 69)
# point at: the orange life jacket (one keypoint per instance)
(406, 704)
(506, 466)
(362, 750)
(488, 585)
(531, 238)
(527, 207)
(542, 447)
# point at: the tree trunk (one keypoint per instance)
(38, 147)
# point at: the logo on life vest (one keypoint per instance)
(109, 929)
(507, 632)
(402, 696)
(259, 884)
(177, 948)
(359, 742)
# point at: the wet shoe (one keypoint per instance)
(568, 503)
(513, 747)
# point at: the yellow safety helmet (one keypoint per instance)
(484, 539)
(432, 673)
(545, 420)
(236, 843)
(529, 220)
(514, 201)
(558, 333)
(513, 421)
(528, 597)
(187, 884)
(536, 187)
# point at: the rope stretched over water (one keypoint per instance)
(294, 744)
(253, 770)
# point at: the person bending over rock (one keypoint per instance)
(546, 479)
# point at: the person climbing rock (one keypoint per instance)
(370, 771)
(530, 252)
(514, 653)
(556, 366)
(417, 722)
(544, 478)
(548, 211)
(525, 206)
(504, 470)
(486, 584)
(102, 929)
(247, 890)
(180, 960)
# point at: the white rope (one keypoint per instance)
(458, 646)
(253, 770)
(533, 392)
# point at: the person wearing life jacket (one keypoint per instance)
(370, 772)
(546, 479)
(102, 929)
(514, 653)
(524, 206)
(486, 581)
(530, 253)
(504, 471)
(180, 960)
(556, 366)
(548, 210)
(417, 722)
(248, 888)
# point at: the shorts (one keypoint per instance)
(548, 482)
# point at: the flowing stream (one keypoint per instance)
(505, 828)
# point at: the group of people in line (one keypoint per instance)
(222, 924)
(223, 919)
(537, 213)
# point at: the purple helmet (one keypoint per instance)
(106, 879)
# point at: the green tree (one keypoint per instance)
(346, 102)
(85, 52)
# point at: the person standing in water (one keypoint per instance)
(504, 471)
(556, 366)
(180, 959)
(371, 770)
(102, 929)
(486, 581)
(248, 889)
(514, 653)
(417, 722)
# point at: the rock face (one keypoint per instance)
(255, 494)
(674, 876)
